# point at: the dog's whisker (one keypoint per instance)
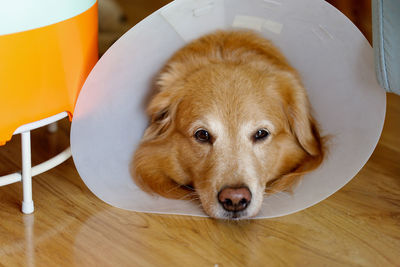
(275, 195)
(172, 189)
(270, 190)
(191, 196)
(179, 186)
(188, 187)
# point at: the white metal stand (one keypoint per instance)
(27, 202)
(27, 171)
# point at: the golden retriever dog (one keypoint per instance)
(230, 122)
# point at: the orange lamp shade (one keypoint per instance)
(43, 69)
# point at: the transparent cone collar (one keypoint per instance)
(332, 56)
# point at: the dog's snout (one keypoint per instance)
(234, 198)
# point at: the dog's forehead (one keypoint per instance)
(231, 96)
(246, 108)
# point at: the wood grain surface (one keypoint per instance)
(357, 226)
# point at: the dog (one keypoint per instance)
(230, 123)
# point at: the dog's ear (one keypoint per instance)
(305, 129)
(162, 110)
(164, 104)
(298, 112)
(301, 122)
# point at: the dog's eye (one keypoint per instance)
(202, 135)
(261, 134)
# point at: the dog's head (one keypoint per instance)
(230, 131)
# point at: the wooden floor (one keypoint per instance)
(357, 226)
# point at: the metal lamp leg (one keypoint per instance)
(27, 203)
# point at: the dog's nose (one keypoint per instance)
(234, 198)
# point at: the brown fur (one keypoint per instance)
(229, 80)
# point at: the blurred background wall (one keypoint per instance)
(118, 16)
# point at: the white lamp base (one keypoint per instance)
(27, 207)
(27, 170)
